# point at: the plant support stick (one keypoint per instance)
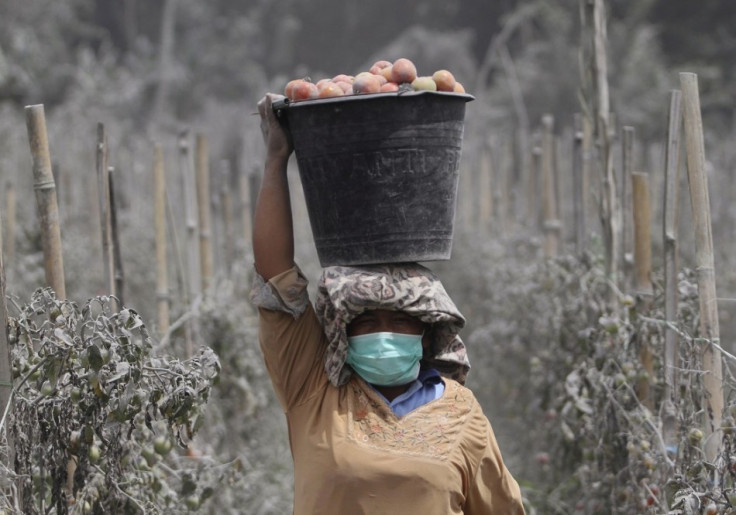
(48, 209)
(709, 330)
(671, 266)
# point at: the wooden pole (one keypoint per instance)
(10, 218)
(6, 377)
(506, 196)
(709, 330)
(642, 212)
(206, 259)
(103, 194)
(6, 373)
(671, 268)
(190, 215)
(521, 169)
(588, 184)
(627, 169)
(48, 209)
(551, 224)
(578, 191)
(159, 207)
(532, 189)
(191, 281)
(226, 202)
(609, 208)
(642, 276)
(117, 258)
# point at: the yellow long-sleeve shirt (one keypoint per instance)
(353, 455)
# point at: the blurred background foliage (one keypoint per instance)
(194, 52)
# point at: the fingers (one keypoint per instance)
(274, 136)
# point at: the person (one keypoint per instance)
(370, 376)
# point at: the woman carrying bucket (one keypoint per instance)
(370, 377)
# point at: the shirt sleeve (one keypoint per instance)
(491, 488)
(291, 337)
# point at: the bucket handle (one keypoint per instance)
(279, 108)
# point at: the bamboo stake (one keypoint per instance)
(45, 188)
(627, 169)
(117, 258)
(203, 204)
(609, 209)
(642, 234)
(532, 196)
(709, 330)
(521, 168)
(671, 268)
(506, 197)
(190, 214)
(578, 191)
(588, 185)
(6, 373)
(227, 221)
(10, 217)
(643, 273)
(551, 225)
(191, 281)
(159, 207)
(103, 195)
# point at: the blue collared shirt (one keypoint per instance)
(427, 387)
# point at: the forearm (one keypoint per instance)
(273, 233)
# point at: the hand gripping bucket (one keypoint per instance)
(379, 173)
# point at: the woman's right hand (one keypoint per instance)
(278, 144)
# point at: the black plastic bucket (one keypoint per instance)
(379, 173)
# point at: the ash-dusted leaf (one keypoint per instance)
(122, 370)
(188, 485)
(95, 358)
(63, 337)
(567, 432)
(583, 405)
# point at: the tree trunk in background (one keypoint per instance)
(130, 24)
(165, 56)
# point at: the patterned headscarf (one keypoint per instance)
(345, 292)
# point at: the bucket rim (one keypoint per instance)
(285, 103)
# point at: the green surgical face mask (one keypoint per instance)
(386, 359)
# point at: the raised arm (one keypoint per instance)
(273, 230)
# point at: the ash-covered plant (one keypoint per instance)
(95, 415)
(583, 360)
(246, 425)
